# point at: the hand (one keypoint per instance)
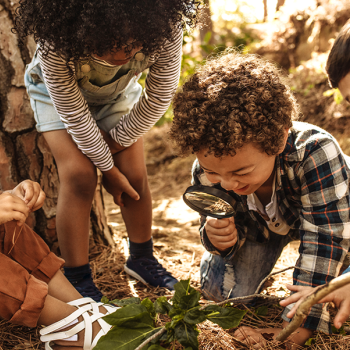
(116, 184)
(340, 297)
(256, 337)
(13, 208)
(222, 233)
(31, 193)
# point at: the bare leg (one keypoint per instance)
(131, 163)
(77, 187)
(61, 289)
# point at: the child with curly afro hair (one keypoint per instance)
(87, 102)
(289, 180)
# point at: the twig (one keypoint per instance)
(243, 298)
(276, 273)
(309, 301)
(148, 340)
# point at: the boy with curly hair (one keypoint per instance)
(290, 181)
(87, 102)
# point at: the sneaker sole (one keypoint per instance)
(134, 274)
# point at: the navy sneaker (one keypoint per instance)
(150, 271)
(87, 288)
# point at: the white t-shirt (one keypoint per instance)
(271, 213)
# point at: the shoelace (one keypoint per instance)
(155, 267)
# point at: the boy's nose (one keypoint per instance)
(230, 185)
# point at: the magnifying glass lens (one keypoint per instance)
(204, 202)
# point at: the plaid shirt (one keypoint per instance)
(312, 187)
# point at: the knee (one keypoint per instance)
(79, 181)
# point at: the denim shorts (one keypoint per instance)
(47, 119)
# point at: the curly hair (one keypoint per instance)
(78, 28)
(230, 101)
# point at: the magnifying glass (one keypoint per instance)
(210, 201)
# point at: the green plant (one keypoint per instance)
(338, 98)
(135, 322)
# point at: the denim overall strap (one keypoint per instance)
(102, 84)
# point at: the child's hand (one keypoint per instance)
(31, 193)
(255, 337)
(340, 297)
(13, 208)
(116, 184)
(222, 233)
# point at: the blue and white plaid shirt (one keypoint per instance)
(312, 187)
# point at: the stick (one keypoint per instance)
(309, 301)
(277, 272)
(154, 336)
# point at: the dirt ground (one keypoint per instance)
(175, 230)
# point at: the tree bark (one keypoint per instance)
(207, 26)
(265, 10)
(24, 154)
(279, 4)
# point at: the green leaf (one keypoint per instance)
(186, 335)
(149, 306)
(310, 341)
(328, 93)
(262, 310)
(182, 288)
(338, 97)
(224, 317)
(195, 316)
(124, 302)
(185, 296)
(176, 311)
(105, 300)
(156, 347)
(162, 306)
(124, 338)
(130, 316)
(338, 330)
(189, 301)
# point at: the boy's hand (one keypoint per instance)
(340, 297)
(116, 184)
(31, 193)
(254, 337)
(222, 233)
(13, 208)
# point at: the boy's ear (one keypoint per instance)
(285, 138)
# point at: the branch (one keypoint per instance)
(315, 297)
(276, 273)
(256, 295)
(148, 340)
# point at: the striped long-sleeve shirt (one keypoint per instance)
(312, 187)
(161, 83)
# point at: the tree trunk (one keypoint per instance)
(207, 26)
(24, 153)
(279, 4)
(265, 10)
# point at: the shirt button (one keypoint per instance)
(274, 219)
(277, 225)
(139, 56)
(85, 68)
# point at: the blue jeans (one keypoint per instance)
(241, 276)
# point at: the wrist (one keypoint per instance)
(111, 172)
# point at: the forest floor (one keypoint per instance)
(175, 227)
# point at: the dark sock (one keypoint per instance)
(80, 277)
(141, 250)
(78, 273)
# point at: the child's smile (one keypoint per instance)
(250, 170)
